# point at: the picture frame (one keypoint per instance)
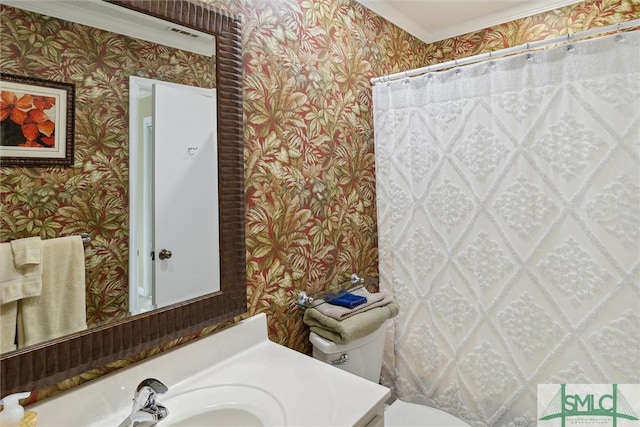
(36, 121)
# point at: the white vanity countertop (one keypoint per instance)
(311, 392)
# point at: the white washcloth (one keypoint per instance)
(61, 307)
(17, 283)
(26, 251)
(8, 319)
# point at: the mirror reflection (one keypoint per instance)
(173, 193)
(92, 195)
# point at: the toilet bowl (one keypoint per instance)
(363, 357)
(403, 414)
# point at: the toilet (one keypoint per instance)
(363, 357)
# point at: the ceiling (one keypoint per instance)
(433, 20)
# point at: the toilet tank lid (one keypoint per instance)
(328, 347)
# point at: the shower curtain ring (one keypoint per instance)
(492, 63)
(619, 37)
(529, 55)
(428, 74)
(570, 47)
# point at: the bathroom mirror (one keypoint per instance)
(102, 46)
(47, 363)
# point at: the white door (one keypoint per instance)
(187, 261)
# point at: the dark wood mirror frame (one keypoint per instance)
(51, 362)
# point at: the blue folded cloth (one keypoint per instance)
(345, 299)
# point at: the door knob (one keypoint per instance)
(164, 254)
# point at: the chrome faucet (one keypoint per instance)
(145, 412)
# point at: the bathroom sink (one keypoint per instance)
(221, 417)
(223, 405)
(235, 377)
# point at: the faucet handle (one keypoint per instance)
(154, 384)
(146, 393)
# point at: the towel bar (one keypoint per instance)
(305, 300)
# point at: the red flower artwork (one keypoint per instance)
(24, 120)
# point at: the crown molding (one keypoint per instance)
(425, 20)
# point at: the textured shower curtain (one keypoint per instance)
(508, 212)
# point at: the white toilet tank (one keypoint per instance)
(362, 357)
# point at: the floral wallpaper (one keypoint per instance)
(310, 182)
(309, 161)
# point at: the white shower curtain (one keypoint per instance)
(508, 212)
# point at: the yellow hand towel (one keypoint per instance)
(61, 307)
(8, 319)
(354, 327)
(26, 251)
(17, 283)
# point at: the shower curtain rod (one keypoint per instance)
(504, 52)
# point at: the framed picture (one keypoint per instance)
(36, 121)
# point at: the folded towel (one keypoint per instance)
(374, 300)
(354, 327)
(8, 318)
(61, 307)
(26, 251)
(17, 283)
(345, 299)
